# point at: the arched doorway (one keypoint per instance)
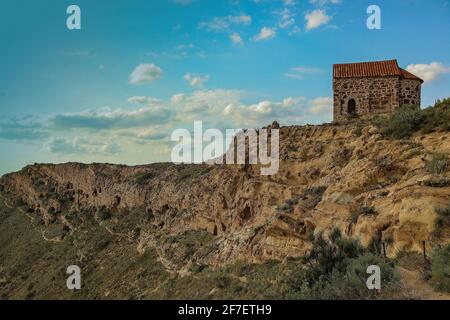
(352, 107)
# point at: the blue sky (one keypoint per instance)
(115, 90)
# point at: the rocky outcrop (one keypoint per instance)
(331, 176)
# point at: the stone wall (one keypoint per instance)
(374, 95)
(410, 92)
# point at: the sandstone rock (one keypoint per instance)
(243, 211)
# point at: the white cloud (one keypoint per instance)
(177, 98)
(324, 2)
(137, 100)
(144, 73)
(224, 23)
(236, 39)
(105, 118)
(428, 72)
(305, 70)
(204, 103)
(299, 72)
(287, 18)
(120, 133)
(81, 145)
(319, 110)
(316, 18)
(291, 110)
(265, 34)
(144, 100)
(322, 105)
(286, 23)
(195, 80)
(152, 133)
(25, 129)
(219, 107)
(290, 102)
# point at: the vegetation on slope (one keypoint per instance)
(440, 269)
(405, 121)
(32, 268)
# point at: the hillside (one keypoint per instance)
(160, 230)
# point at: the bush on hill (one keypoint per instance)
(407, 120)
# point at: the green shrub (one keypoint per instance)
(326, 255)
(351, 282)
(403, 123)
(351, 117)
(375, 246)
(407, 120)
(443, 219)
(191, 172)
(445, 211)
(379, 121)
(440, 270)
(417, 151)
(437, 116)
(437, 182)
(335, 235)
(438, 163)
(104, 214)
(337, 269)
(102, 243)
(358, 130)
(143, 177)
(286, 207)
(185, 245)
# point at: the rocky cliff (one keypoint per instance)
(347, 176)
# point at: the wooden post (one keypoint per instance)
(384, 249)
(424, 250)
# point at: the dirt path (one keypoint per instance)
(419, 287)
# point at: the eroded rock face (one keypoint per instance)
(328, 175)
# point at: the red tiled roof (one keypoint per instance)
(371, 69)
(367, 69)
(409, 75)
